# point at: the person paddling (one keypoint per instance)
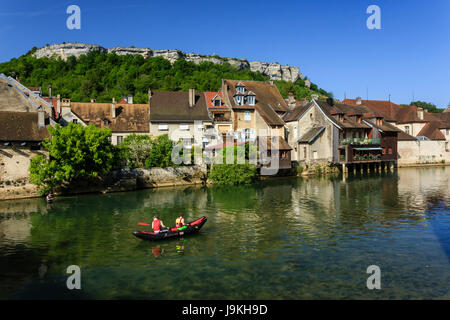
(179, 222)
(157, 224)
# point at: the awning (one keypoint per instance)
(367, 149)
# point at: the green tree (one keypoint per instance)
(160, 153)
(135, 149)
(426, 106)
(103, 76)
(233, 174)
(75, 152)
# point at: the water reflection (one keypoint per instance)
(316, 235)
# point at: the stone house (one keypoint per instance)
(257, 108)
(24, 125)
(123, 119)
(183, 116)
(324, 133)
(425, 136)
(220, 112)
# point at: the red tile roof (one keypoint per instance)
(209, 96)
(431, 131)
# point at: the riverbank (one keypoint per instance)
(118, 181)
(122, 181)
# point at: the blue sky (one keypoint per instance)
(327, 39)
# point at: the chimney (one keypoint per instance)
(113, 108)
(149, 94)
(50, 92)
(330, 101)
(191, 97)
(65, 106)
(130, 99)
(41, 117)
(315, 96)
(58, 104)
(224, 88)
(358, 101)
(420, 113)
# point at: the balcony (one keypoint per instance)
(359, 141)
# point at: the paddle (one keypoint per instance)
(143, 224)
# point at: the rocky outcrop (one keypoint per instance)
(67, 49)
(275, 71)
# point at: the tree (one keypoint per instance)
(160, 153)
(426, 106)
(75, 152)
(103, 76)
(136, 149)
(233, 174)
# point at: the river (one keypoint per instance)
(284, 238)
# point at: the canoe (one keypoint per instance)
(192, 227)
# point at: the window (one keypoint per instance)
(217, 103)
(239, 100)
(284, 155)
(184, 127)
(163, 127)
(315, 155)
(446, 146)
(75, 121)
(119, 139)
(105, 122)
(247, 116)
(251, 100)
(384, 151)
(447, 132)
(304, 152)
(247, 134)
(407, 129)
(240, 89)
(389, 150)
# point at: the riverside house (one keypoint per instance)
(257, 108)
(323, 133)
(424, 136)
(24, 125)
(220, 113)
(122, 118)
(183, 116)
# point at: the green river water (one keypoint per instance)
(284, 238)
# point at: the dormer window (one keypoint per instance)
(251, 98)
(239, 99)
(240, 87)
(217, 102)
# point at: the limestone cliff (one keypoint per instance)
(274, 70)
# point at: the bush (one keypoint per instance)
(299, 169)
(135, 149)
(75, 152)
(160, 153)
(233, 174)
